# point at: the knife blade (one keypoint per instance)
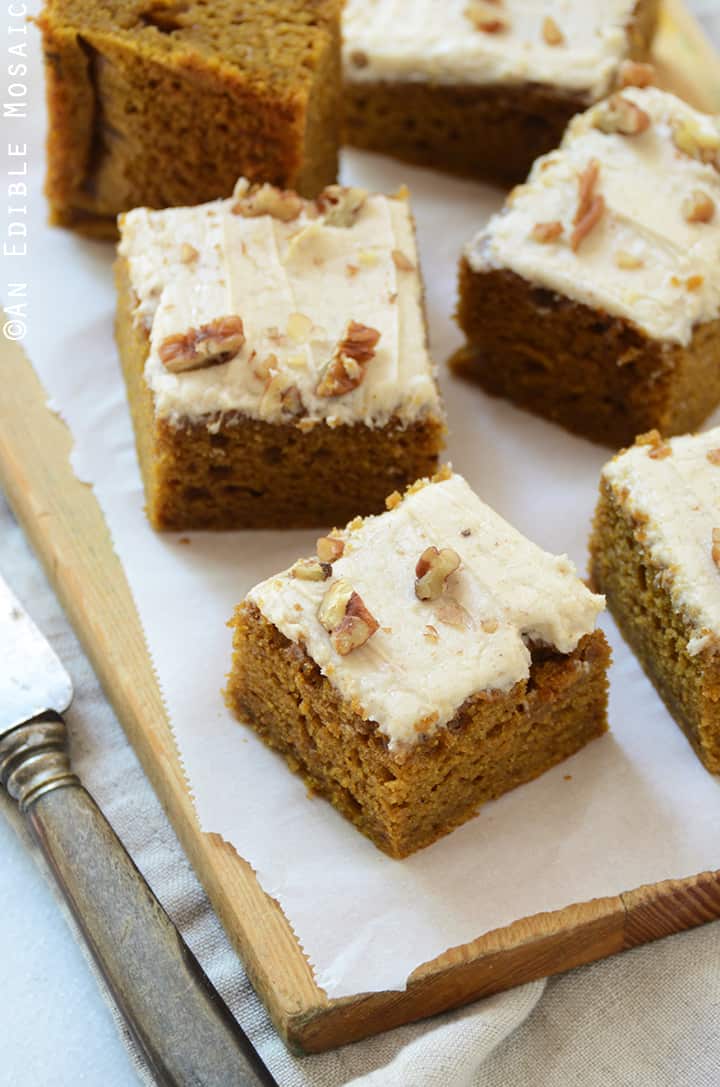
(32, 679)
(186, 1032)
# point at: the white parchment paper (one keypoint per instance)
(632, 808)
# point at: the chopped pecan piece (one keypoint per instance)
(257, 200)
(359, 59)
(626, 260)
(592, 216)
(658, 448)
(694, 283)
(716, 546)
(291, 400)
(340, 205)
(590, 206)
(586, 188)
(621, 115)
(551, 32)
(346, 369)
(401, 262)
(483, 19)
(693, 140)
(299, 327)
(188, 253)
(698, 207)
(345, 617)
(633, 73)
(547, 232)
(329, 548)
(430, 632)
(450, 612)
(216, 342)
(432, 570)
(311, 570)
(713, 455)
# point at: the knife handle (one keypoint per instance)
(186, 1032)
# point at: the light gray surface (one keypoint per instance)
(649, 1018)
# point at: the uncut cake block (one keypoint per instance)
(593, 297)
(424, 661)
(161, 102)
(275, 356)
(655, 553)
(481, 88)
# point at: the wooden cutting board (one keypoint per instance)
(64, 522)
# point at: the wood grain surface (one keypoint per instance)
(64, 523)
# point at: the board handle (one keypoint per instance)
(184, 1029)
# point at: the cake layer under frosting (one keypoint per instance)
(676, 500)
(643, 261)
(428, 657)
(424, 40)
(295, 285)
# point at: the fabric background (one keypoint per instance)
(648, 1018)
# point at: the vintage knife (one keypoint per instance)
(184, 1029)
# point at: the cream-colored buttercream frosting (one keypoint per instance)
(189, 266)
(426, 40)
(428, 657)
(643, 261)
(677, 500)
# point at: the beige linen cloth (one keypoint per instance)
(648, 1018)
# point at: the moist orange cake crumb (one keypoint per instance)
(168, 102)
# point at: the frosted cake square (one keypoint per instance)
(655, 553)
(480, 87)
(275, 354)
(593, 297)
(421, 663)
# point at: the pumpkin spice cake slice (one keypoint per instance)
(482, 87)
(423, 662)
(593, 297)
(655, 553)
(168, 102)
(275, 355)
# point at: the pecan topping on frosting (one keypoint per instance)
(551, 32)
(590, 206)
(547, 232)
(216, 342)
(340, 205)
(621, 115)
(633, 73)
(627, 260)
(658, 448)
(432, 570)
(329, 548)
(716, 546)
(713, 455)
(311, 570)
(345, 617)
(346, 369)
(483, 17)
(693, 140)
(188, 253)
(401, 262)
(251, 201)
(698, 207)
